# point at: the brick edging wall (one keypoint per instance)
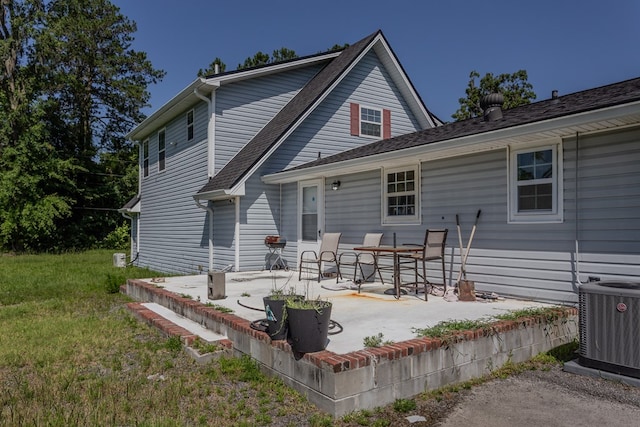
(364, 379)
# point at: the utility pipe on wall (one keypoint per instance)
(210, 211)
(211, 126)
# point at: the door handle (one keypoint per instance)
(319, 232)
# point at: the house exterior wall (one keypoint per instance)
(243, 108)
(171, 225)
(327, 131)
(173, 229)
(528, 260)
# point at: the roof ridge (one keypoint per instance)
(263, 141)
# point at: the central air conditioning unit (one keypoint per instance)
(610, 327)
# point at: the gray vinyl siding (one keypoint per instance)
(534, 261)
(326, 130)
(243, 108)
(173, 235)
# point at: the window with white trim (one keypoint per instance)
(161, 150)
(190, 125)
(535, 184)
(401, 195)
(145, 158)
(370, 122)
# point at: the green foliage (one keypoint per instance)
(174, 344)
(211, 69)
(404, 405)
(514, 87)
(261, 58)
(71, 87)
(118, 238)
(376, 341)
(113, 282)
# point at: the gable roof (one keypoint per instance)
(274, 132)
(601, 108)
(187, 97)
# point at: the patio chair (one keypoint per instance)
(432, 250)
(358, 259)
(310, 260)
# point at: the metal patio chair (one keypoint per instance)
(358, 259)
(432, 250)
(311, 260)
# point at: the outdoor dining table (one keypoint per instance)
(396, 251)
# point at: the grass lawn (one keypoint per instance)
(71, 354)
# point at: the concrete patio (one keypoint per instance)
(347, 376)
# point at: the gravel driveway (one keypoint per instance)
(547, 398)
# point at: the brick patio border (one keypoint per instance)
(365, 379)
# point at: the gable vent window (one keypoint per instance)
(190, 125)
(145, 158)
(161, 150)
(370, 122)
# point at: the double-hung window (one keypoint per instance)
(370, 122)
(190, 125)
(161, 150)
(535, 184)
(401, 195)
(145, 158)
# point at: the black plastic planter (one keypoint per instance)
(276, 311)
(309, 327)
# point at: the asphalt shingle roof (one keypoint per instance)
(269, 135)
(579, 102)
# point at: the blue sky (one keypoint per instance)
(568, 45)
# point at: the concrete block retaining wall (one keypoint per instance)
(368, 378)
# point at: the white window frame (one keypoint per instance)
(556, 213)
(361, 121)
(191, 126)
(401, 219)
(162, 165)
(145, 158)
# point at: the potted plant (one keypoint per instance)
(275, 309)
(308, 321)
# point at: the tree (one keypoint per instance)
(261, 58)
(73, 90)
(514, 87)
(211, 69)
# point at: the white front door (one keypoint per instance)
(310, 215)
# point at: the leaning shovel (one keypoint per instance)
(466, 288)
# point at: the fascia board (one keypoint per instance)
(406, 87)
(206, 85)
(238, 190)
(182, 100)
(459, 146)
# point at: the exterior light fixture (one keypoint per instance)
(335, 185)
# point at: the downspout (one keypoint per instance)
(210, 163)
(237, 234)
(210, 211)
(577, 230)
(130, 218)
(211, 127)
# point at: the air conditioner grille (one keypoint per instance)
(609, 327)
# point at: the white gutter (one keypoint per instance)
(491, 140)
(211, 130)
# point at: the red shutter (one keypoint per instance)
(355, 119)
(386, 124)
